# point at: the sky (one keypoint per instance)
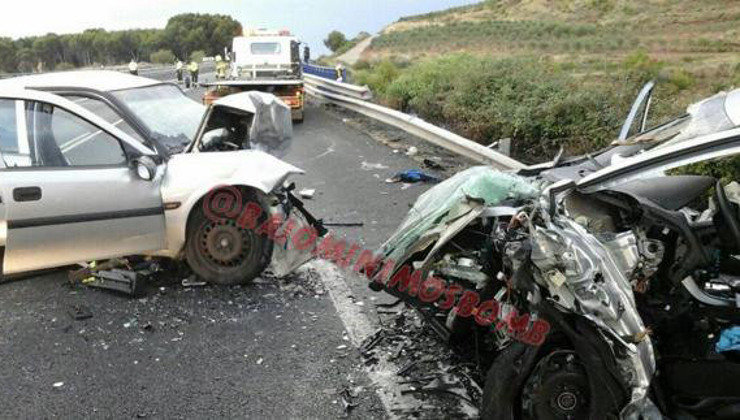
(311, 20)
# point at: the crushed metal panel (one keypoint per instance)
(286, 258)
(272, 126)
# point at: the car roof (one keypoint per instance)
(100, 80)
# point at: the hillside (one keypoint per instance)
(552, 73)
(577, 29)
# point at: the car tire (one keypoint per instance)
(220, 251)
(555, 386)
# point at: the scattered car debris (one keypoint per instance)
(429, 369)
(348, 398)
(80, 312)
(193, 281)
(372, 166)
(344, 224)
(307, 193)
(433, 164)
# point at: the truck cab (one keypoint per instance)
(267, 62)
(266, 55)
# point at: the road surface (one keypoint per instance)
(271, 349)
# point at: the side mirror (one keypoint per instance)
(145, 167)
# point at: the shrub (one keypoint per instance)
(162, 57)
(681, 79)
(528, 99)
(378, 77)
(641, 66)
(197, 56)
(361, 65)
(64, 67)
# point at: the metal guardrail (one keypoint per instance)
(415, 126)
(354, 91)
(323, 72)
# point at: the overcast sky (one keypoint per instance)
(309, 19)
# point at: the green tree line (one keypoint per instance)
(183, 35)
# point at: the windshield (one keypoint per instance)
(262, 48)
(171, 117)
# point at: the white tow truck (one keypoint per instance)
(266, 61)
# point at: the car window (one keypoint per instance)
(8, 126)
(104, 111)
(13, 145)
(171, 117)
(264, 48)
(58, 138)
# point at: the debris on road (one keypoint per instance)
(429, 369)
(412, 151)
(80, 312)
(192, 281)
(372, 166)
(348, 397)
(412, 176)
(433, 163)
(127, 276)
(344, 224)
(307, 193)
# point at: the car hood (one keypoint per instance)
(188, 172)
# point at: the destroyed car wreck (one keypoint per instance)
(632, 261)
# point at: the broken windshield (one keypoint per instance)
(171, 117)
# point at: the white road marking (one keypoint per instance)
(358, 326)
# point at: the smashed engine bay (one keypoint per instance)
(638, 286)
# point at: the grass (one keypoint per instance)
(539, 103)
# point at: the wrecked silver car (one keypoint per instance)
(76, 187)
(604, 286)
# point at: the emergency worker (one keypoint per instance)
(178, 70)
(193, 68)
(133, 67)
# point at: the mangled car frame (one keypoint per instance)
(633, 263)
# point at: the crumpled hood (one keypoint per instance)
(446, 202)
(188, 172)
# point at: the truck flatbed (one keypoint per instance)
(255, 82)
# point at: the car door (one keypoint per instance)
(70, 194)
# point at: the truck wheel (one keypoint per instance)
(221, 252)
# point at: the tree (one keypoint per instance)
(184, 35)
(162, 57)
(335, 40)
(9, 62)
(197, 56)
(193, 31)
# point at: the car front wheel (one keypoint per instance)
(221, 251)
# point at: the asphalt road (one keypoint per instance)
(268, 350)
